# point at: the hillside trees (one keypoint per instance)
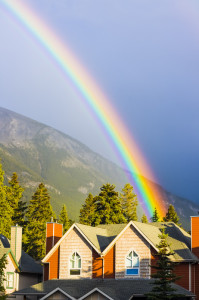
(87, 212)
(6, 211)
(63, 219)
(39, 212)
(129, 203)
(108, 209)
(14, 193)
(171, 215)
(144, 219)
(155, 217)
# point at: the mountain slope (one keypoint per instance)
(69, 169)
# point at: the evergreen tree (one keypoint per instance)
(171, 215)
(155, 217)
(39, 212)
(87, 212)
(144, 219)
(14, 194)
(108, 209)
(164, 275)
(129, 203)
(3, 263)
(6, 210)
(63, 219)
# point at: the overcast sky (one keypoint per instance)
(143, 54)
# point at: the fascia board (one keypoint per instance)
(92, 291)
(120, 234)
(57, 290)
(45, 259)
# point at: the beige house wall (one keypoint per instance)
(74, 242)
(10, 267)
(131, 239)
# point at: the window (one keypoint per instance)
(75, 264)
(132, 263)
(10, 280)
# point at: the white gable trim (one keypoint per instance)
(45, 259)
(120, 234)
(95, 290)
(57, 290)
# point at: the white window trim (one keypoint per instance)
(131, 275)
(75, 268)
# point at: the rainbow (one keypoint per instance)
(126, 148)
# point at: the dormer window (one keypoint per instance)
(75, 264)
(132, 263)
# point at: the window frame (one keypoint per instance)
(76, 268)
(132, 267)
(7, 281)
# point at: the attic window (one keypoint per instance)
(75, 264)
(132, 264)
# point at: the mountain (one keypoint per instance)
(69, 169)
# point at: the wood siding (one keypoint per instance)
(75, 242)
(105, 264)
(109, 264)
(195, 235)
(131, 239)
(97, 265)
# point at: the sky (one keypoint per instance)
(142, 54)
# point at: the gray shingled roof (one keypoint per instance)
(101, 236)
(179, 240)
(120, 289)
(27, 263)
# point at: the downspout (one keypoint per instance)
(102, 267)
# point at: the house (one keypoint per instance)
(21, 269)
(114, 261)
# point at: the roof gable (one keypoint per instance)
(57, 290)
(8, 251)
(93, 291)
(103, 237)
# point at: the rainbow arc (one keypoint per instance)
(125, 146)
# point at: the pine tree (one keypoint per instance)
(171, 215)
(129, 203)
(164, 276)
(14, 193)
(155, 217)
(87, 212)
(39, 212)
(6, 210)
(63, 219)
(108, 209)
(144, 219)
(3, 263)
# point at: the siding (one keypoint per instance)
(11, 268)
(132, 240)
(109, 264)
(97, 265)
(182, 270)
(53, 266)
(74, 242)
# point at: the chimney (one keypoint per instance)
(53, 234)
(195, 235)
(16, 242)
